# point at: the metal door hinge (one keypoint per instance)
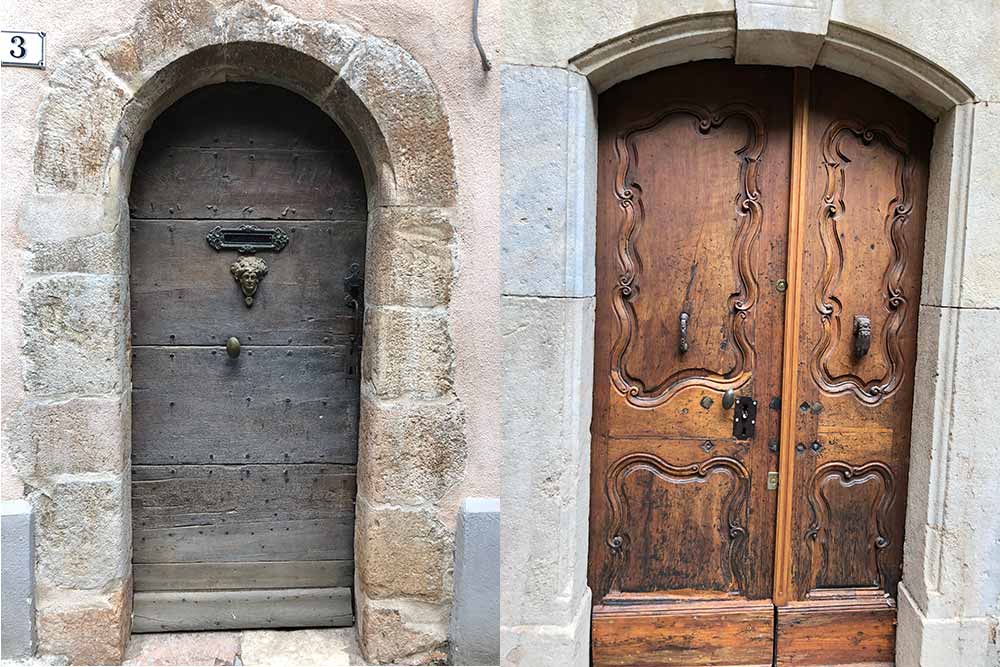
(772, 481)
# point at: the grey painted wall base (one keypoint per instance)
(17, 615)
(475, 618)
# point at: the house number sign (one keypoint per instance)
(23, 49)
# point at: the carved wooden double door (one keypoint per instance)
(760, 238)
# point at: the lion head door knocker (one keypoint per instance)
(248, 270)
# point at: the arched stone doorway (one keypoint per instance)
(91, 127)
(550, 100)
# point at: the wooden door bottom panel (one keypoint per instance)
(686, 634)
(177, 611)
(836, 632)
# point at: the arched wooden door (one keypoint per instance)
(248, 222)
(760, 241)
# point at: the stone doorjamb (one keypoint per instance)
(548, 151)
(70, 441)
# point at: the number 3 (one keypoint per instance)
(18, 42)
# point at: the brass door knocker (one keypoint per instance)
(248, 272)
(249, 269)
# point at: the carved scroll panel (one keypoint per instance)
(860, 293)
(677, 526)
(851, 530)
(687, 192)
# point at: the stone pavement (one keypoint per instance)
(330, 647)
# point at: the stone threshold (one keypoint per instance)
(330, 647)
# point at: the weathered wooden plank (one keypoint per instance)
(305, 539)
(243, 576)
(690, 634)
(270, 405)
(182, 292)
(172, 611)
(248, 151)
(172, 496)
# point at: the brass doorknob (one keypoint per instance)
(728, 399)
(233, 347)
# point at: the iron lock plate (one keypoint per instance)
(744, 418)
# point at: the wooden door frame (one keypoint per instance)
(931, 89)
(105, 98)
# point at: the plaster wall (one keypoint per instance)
(558, 56)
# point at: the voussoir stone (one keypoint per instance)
(83, 533)
(255, 21)
(87, 628)
(77, 126)
(402, 553)
(412, 452)
(400, 95)
(408, 351)
(77, 436)
(74, 334)
(409, 257)
(163, 32)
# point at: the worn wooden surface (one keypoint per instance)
(246, 151)
(689, 635)
(273, 404)
(195, 513)
(697, 215)
(181, 285)
(243, 477)
(836, 632)
(175, 611)
(241, 576)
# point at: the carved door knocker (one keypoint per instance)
(862, 335)
(248, 272)
(249, 269)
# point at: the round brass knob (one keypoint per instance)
(233, 347)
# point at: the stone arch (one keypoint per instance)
(670, 36)
(101, 101)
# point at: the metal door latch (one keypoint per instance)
(354, 285)
(744, 418)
